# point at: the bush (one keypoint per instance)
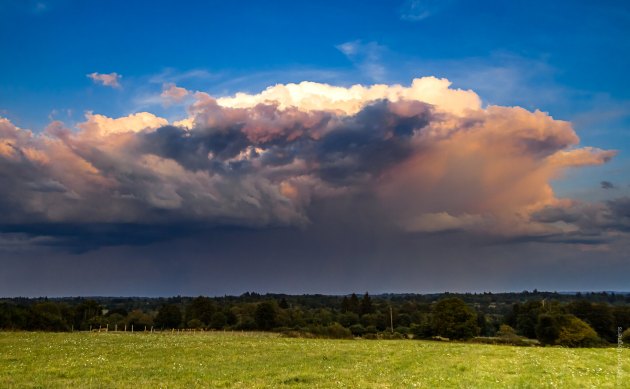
(566, 330)
(371, 330)
(332, 331)
(357, 329)
(505, 331)
(625, 338)
(403, 330)
(245, 324)
(422, 330)
(348, 319)
(576, 333)
(195, 323)
(389, 335)
(512, 341)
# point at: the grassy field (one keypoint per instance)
(235, 360)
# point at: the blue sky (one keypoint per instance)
(567, 58)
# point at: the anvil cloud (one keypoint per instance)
(425, 158)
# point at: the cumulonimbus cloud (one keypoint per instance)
(429, 157)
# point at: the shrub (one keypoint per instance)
(512, 341)
(389, 335)
(403, 330)
(357, 329)
(332, 331)
(505, 331)
(576, 333)
(422, 330)
(371, 330)
(195, 323)
(566, 330)
(348, 319)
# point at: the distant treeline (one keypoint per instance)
(526, 318)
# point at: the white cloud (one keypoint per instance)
(103, 125)
(310, 96)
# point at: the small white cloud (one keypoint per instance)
(111, 79)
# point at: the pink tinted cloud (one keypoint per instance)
(172, 94)
(110, 79)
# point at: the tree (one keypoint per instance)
(453, 319)
(86, 312)
(366, 305)
(139, 319)
(169, 316)
(48, 316)
(348, 319)
(265, 316)
(547, 329)
(524, 318)
(622, 317)
(353, 304)
(345, 304)
(201, 308)
(218, 321)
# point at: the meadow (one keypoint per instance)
(265, 360)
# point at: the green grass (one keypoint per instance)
(235, 360)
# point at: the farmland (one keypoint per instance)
(246, 360)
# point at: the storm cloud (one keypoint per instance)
(421, 159)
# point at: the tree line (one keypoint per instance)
(575, 320)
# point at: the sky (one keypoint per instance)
(413, 146)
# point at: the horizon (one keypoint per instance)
(616, 292)
(410, 145)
